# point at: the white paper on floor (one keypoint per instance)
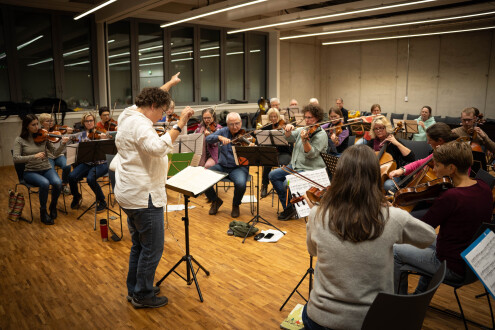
(173, 208)
(276, 235)
(248, 198)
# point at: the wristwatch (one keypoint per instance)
(177, 128)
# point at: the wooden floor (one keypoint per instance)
(64, 276)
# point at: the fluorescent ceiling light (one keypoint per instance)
(300, 20)
(386, 26)
(75, 51)
(180, 53)
(110, 41)
(117, 63)
(214, 12)
(29, 42)
(150, 58)
(106, 3)
(145, 64)
(150, 48)
(209, 48)
(405, 36)
(182, 59)
(120, 54)
(255, 51)
(235, 53)
(78, 63)
(206, 56)
(42, 61)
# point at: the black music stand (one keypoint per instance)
(330, 162)
(479, 162)
(91, 152)
(256, 156)
(188, 182)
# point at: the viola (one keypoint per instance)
(43, 135)
(110, 125)
(173, 117)
(406, 198)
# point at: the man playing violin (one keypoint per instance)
(106, 123)
(459, 212)
(470, 130)
(338, 135)
(92, 171)
(226, 164)
(208, 125)
(308, 143)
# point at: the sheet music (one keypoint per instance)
(192, 181)
(189, 143)
(265, 137)
(71, 153)
(481, 258)
(298, 187)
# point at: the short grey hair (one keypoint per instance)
(233, 116)
(339, 99)
(274, 99)
(314, 100)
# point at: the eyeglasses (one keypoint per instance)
(467, 120)
(89, 121)
(238, 123)
(308, 117)
(379, 129)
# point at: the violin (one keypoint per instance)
(96, 134)
(212, 127)
(336, 128)
(173, 117)
(160, 130)
(312, 130)
(314, 194)
(279, 124)
(241, 138)
(110, 125)
(407, 198)
(60, 128)
(43, 135)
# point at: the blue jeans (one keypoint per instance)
(238, 175)
(283, 159)
(43, 180)
(61, 162)
(424, 259)
(277, 177)
(85, 170)
(308, 323)
(390, 186)
(147, 235)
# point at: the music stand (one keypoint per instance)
(310, 271)
(330, 162)
(191, 182)
(411, 127)
(256, 156)
(91, 152)
(479, 162)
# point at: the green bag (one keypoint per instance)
(240, 228)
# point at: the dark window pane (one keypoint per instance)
(234, 67)
(34, 54)
(119, 58)
(209, 65)
(257, 66)
(4, 77)
(150, 55)
(76, 55)
(181, 40)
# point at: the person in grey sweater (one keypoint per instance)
(352, 232)
(38, 170)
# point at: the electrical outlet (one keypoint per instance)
(406, 99)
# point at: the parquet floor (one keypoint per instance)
(64, 276)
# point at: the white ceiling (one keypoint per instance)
(274, 11)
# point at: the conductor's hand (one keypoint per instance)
(175, 79)
(185, 114)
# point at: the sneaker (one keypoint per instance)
(235, 211)
(153, 302)
(66, 190)
(76, 202)
(102, 206)
(156, 291)
(215, 205)
(264, 191)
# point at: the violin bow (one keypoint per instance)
(114, 106)
(58, 111)
(291, 171)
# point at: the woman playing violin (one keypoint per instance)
(375, 110)
(106, 123)
(208, 125)
(88, 169)
(381, 134)
(459, 212)
(308, 143)
(284, 152)
(169, 116)
(338, 135)
(38, 171)
(351, 232)
(425, 120)
(47, 122)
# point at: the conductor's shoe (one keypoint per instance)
(287, 214)
(152, 302)
(156, 290)
(264, 190)
(215, 205)
(235, 211)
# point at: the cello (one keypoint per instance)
(387, 162)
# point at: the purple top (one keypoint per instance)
(212, 148)
(459, 212)
(342, 136)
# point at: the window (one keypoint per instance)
(33, 38)
(76, 58)
(4, 76)
(119, 59)
(234, 67)
(182, 60)
(257, 66)
(150, 54)
(209, 65)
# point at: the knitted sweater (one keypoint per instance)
(25, 149)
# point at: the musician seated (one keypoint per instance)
(425, 120)
(305, 155)
(352, 233)
(275, 103)
(472, 131)
(337, 143)
(375, 110)
(459, 212)
(106, 123)
(91, 171)
(210, 151)
(381, 134)
(226, 163)
(339, 103)
(47, 122)
(38, 172)
(284, 152)
(169, 116)
(293, 103)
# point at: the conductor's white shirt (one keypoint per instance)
(141, 163)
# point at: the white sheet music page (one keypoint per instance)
(482, 260)
(192, 181)
(298, 187)
(189, 143)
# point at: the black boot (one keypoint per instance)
(53, 211)
(45, 218)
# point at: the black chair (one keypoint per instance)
(392, 311)
(421, 149)
(439, 119)
(469, 278)
(453, 122)
(411, 117)
(19, 169)
(486, 177)
(111, 176)
(399, 116)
